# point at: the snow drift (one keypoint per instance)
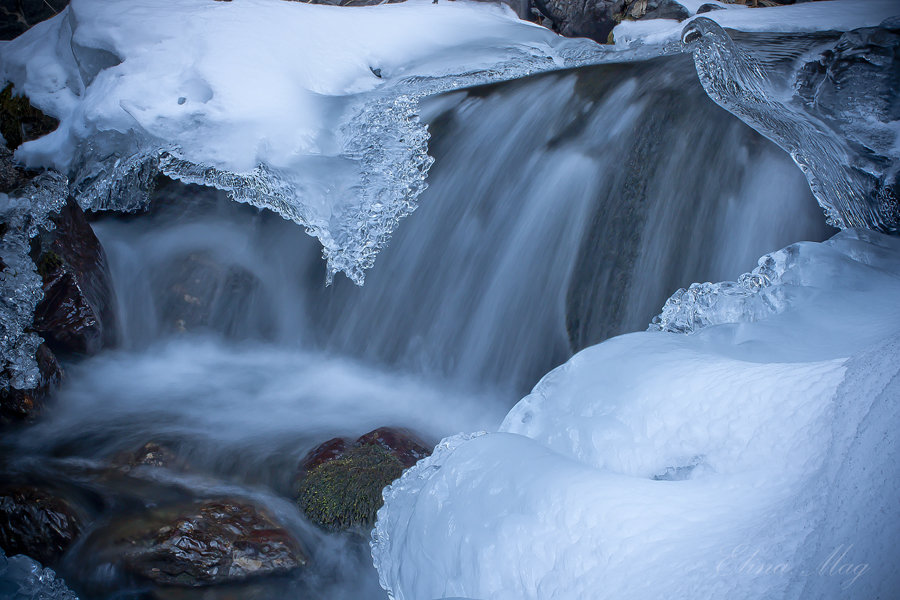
(752, 458)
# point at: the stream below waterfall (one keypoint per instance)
(562, 209)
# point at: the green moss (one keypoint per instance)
(48, 263)
(345, 493)
(20, 121)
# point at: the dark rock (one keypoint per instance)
(35, 522)
(76, 314)
(205, 543)
(20, 121)
(341, 482)
(659, 9)
(17, 16)
(705, 8)
(22, 406)
(594, 19)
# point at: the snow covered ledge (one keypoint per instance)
(307, 110)
(755, 457)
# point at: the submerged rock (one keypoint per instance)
(150, 454)
(341, 481)
(76, 314)
(36, 522)
(197, 544)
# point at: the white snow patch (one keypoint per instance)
(754, 458)
(831, 15)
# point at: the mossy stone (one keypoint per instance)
(345, 493)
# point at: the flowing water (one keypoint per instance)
(562, 209)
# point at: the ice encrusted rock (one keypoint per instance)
(836, 115)
(778, 424)
(310, 111)
(22, 215)
(22, 578)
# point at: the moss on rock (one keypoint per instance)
(20, 121)
(345, 492)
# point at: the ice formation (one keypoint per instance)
(310, 111)
(21, 578)
(834, 115)
(752, 458)
(23, 215)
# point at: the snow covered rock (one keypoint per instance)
(752, 458)
(310, 111)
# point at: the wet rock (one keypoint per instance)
(35, 522)
(20, 121)
(197, 544)
(76, 314)
(705, 8)
(22, 406)
(341, 481)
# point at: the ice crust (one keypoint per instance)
(22, 578)
(23, 214)
(310, 111)
(752, 458)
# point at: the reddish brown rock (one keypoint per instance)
(76, 314)
(150, 454)
(37, 523)
(197, 544)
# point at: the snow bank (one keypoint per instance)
(307, 110)
(752, 458)
(833, 15)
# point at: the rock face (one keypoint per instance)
(36, 523)
(341, 481)
(206, 543)
(76, 314)
(17, 406)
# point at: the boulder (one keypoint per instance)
(705, 8)
(340, 481)
(76, 314)
(22, 406)
(197, 544)
(36, 522)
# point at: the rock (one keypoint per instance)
(594, 19)
(659, 9)
(18, 16)
(22, 406)
(20, 121)
(341, 481)
(76, 314)
(197, 544)
(35, 522)
(705, 8)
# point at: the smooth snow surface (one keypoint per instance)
(830, 15)
(753, 458)
(307, 110)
